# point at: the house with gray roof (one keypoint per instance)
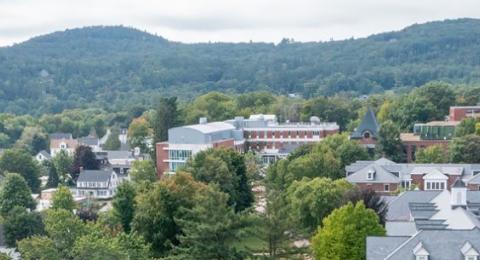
(42, 156)
(99, 184)
(386, 177)
(430, 225)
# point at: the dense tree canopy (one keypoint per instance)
(14, 192)
(344, 232)
(21, 162)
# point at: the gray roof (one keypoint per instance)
(60, 136)
(441, 245)
(45, 154)
(88, 140)
(94, 176)
(369, 123)
(116, 155)
(399, 208)
(380, 175)
(380, 247)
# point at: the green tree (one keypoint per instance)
(166, 116)
(389, 142)
(63, 164)
(226, 168)
(20, 223)
(124, 204)
(138, 132)
(14, 191)
(432, 154)
(210, 228)
(63, 199)
(21, 162)
(344, 232)
(53, 178)
(33, 139)
(215, 106)
(322, 163)
(276, 223)
(84, 158)
(158, 208)
(143, 172)
(64, 228)
(134, 245)
(92, 247)
(466, 127)
(465, 149)
(313, 199)
(38, 248)
(113, 142)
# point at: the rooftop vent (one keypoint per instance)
(202, 120)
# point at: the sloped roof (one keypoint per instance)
(399, 208)
(380, 247)
(60, 136)
(94, 176)
(381, 175)
(88, 140)
(369, 123)
(45, 154)
(441, 244)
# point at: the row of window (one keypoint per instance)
(435, 185)
(174, 166)
(289, 134)
(92, 193)
(179, 154)
(84, 184)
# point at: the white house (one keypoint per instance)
(99, 184)
(42, 156)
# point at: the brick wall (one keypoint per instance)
(378, 187)
(162, 154)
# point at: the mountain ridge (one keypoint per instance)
(116, 66)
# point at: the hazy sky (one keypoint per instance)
(228, 20)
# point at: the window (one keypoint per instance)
(435, 185)
(470, 258)
(370, 175)
(316, 133)
(366, 135)
(422, 257)
(386, 187)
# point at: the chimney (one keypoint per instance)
(202, 120)
(81, 168)
(458, 194)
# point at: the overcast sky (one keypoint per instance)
(228, 20)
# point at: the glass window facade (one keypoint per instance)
(181, 155)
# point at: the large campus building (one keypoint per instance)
(262, 134)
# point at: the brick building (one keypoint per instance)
(458, 113)
(386, 176)
(261, 134)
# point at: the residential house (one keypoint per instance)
(99, 184)
(385, 176)
(367, 132)
(90, 141)
(62, 141)
(42, 156)
(430, 225)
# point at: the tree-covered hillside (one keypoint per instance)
(118, 67)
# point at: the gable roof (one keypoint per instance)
(94, 176)
(88, 140)
(60, 136)
(45, 154)
(399, 208)
(380, 247)
(381, 175)
(369, 123)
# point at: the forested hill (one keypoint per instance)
(116, 67)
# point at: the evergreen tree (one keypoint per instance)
(53, 178)
(210, 228)
(389, 143)
(124, 204)
(113, 142)
(14, 191)
(166, 117)
(84, 158)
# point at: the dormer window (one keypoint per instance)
(469, 252)
(63, 146)
(420, 252)
(366, 135)
(370, 175)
